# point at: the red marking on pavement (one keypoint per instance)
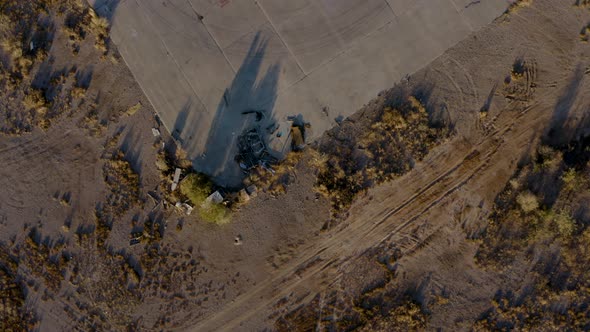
(222, 3)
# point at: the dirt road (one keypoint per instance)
(390, 214)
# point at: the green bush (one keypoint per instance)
(217, 213)
(196, 187)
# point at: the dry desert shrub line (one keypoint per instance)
(124, 186)
(379, 147)
(516, 5)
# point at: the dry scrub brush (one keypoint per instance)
(585, 33)
(376, 148)
(31, 95)
(283, 174)
(516, 5)
(14, 314)
(123, 183)
(124, 192)
(539, 221)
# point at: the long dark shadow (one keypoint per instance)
(247, 105)
(558, 133)
(105, 8)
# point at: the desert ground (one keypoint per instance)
(452, 196)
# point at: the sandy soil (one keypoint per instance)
(408, 235)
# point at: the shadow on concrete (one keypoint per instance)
(247, 104)
(105, 8)
(181, 120)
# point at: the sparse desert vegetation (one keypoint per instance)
(378, 146)
(33, 93)
(457, 200)
(14, 313)
(542, 224)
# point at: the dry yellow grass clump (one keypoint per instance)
(123, 182)
(518, 4)
(276, 183)
(100, 28)
(375, 149)
(82, 20)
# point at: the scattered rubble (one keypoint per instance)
(253, 152)
(176, 179)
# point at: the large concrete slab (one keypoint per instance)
(275, 53)
(318, 30)
(375, 63)
(233, 20)
(204, 63)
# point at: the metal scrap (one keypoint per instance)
(253, 151)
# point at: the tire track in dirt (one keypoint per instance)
(363, 232)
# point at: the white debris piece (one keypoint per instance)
(155, 132)
(214, 198)
(176, 179)
(188, 208)
(184, 208)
